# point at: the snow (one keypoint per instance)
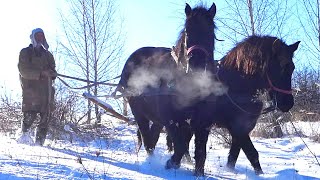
(117, 158)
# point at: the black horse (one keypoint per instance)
(257, 64)
(153, 81)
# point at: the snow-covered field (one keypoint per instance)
(286, 158)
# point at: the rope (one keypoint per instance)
(88, 81)
(83, 87)
(84, 80)
(295, 129)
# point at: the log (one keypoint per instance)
(107, 107)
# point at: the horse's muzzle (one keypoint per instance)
(285, 102)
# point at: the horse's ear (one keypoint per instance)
(294, 47)
(187, 10)
(212, 10)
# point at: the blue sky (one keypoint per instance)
(146, 23)
(18, 18)
(156, 23)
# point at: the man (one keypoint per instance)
(37, 71)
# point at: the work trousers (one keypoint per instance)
(42, 127)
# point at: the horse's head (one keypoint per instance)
(279, 73)
(263, 57)
(199, 36)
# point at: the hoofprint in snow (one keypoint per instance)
(117, 158)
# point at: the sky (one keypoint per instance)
(18, 18)
(146, 23)
(286, 158)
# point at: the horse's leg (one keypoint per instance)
(145, 133)
(188, 137)
(234, 152)
(186, 128)
(179, 145)
(251, 153)
(155, 133)
(201, 138)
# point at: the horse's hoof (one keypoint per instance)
(150, 152)
(231, 166)
(170, 164)
(187, 158)
(258, 171)
(199, 172)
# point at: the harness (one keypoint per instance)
(265, 110)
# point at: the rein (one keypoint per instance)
(93, 83)
(277, 89)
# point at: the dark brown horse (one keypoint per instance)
(154, 80)
(259, 63)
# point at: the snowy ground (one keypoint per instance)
(286, 158)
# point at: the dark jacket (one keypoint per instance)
(35, 90)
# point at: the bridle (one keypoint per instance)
(272, 87)
(264, 111)
(197, 47)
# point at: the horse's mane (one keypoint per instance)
(179, 48)
(251, 55)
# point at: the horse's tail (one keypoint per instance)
(118, 88)
(169, 143)
(121, 87)
(139, 140)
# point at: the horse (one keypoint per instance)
(258, 64)
(153, 78)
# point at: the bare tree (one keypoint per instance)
(241, 18)
(93, 44)
(307, 96)
(308, 13)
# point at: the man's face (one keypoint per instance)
(39, 37)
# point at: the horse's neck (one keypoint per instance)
(238, 82)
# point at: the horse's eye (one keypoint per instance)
(288, 68)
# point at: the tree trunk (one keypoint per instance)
(276, 131)
(250, 8)
(125, 107)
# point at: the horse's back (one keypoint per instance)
(148, 58)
